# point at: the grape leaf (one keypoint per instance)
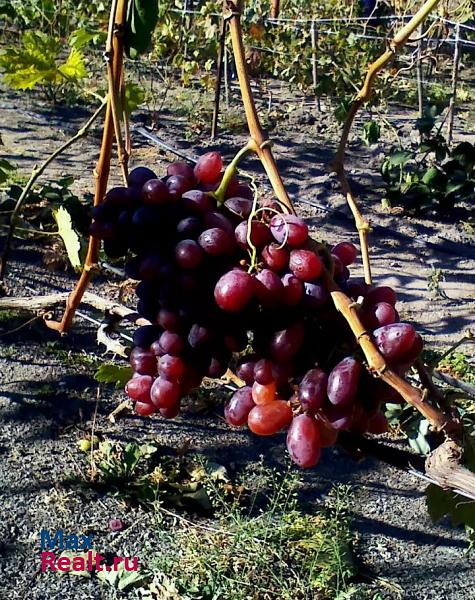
(73, 68)
(68, 235)
(371, 132)
(441, 503)
(134, 96)
(110, 373)
(5, 168)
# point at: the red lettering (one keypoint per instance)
(47, 560)
(135, 564)
(64, 563)
(98, 559)
(117, 560)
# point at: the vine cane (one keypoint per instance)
(338, 165)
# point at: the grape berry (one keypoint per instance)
(208, 301)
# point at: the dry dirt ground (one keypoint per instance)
(48, 395)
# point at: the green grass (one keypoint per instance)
(249, 537)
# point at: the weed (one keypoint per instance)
(267, 548)
(433, 283)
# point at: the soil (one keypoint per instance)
(48, 394)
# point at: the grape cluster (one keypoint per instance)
(232, 284)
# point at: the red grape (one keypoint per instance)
(188, 254)
(395, 340)
(143, 361)
(139, 176)
(138, 388)
(303, 441)
(239, 406)
(155, 192)
(268, 288)
(240, 207)
(313, 390)
(293, 289)
(208, 167)
(144, 409)
(275, 257)
(305, 265)
(263, 394)
(180, 168)
(217, 219)
(217, 242)
(346, 252)
(270, 418)
(245, 370)
(197, 202)
(378, 294)
(343, 382)
(339, 417)
(286, 343)
(171, 343)
(328, 435)
(378, 315)
(234, 291)
(177, 186)
(290, 229)
(171, 412)
(171, 367)
(165, 393)
(264, 371)
(260, 234)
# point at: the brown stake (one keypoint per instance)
(103, 164)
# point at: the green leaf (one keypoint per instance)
(464, 153)
(438, 502)
(73, 69)
(81, 37)
(68, 235)
(110, 373)
(134, 96)
(417, 432)
(6, 167)
(66, 181)
(400, 157)
(371, 132)
(441, 503)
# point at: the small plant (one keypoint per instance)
(141, 473)
(39, 62)
(264, 548)
(433, 283)
(431, 176)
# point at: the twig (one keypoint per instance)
(262, 146)
(125, 405)
(363, 96)
(102, 176)
(115, 81)
(35, 174)
(22, 326)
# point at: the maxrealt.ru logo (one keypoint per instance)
(53, 545)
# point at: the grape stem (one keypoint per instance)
(230, 170)
(338, 165)
(35, 174)
(116, 45)
(262, 146)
